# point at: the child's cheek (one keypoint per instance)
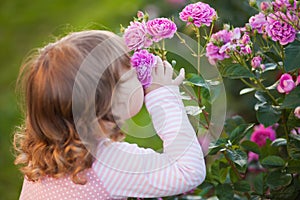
(136, 101)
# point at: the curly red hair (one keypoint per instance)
(48, 144)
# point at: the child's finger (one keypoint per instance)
(159, 67)
(168, 69)
(179, 79)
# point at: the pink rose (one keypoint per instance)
(161, 28)
(280, 30)
(256, 62)
(198, 14)
(297, 112)
(259, 136)
(143, 62)
(136, 36)
(286, 84)
(258, 22)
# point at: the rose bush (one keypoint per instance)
(248, 161)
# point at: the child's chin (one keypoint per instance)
(135, 112)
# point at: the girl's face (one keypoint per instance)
(128, 97)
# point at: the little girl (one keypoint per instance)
(65, 152)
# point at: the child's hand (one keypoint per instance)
(162, 75)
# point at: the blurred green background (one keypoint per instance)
(25, 25)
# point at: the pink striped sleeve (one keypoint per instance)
(127, 170)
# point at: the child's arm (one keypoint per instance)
(127, 170)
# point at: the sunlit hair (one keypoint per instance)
(48, 143)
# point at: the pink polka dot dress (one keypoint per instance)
(64, 189)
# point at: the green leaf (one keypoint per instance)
(246, 90)
(285, 193)
(237, 156)
(293, 121)
(294, 147)
(270, 67)
(193, 110)
(208, 95)
(259, 184)
(223, 174)
(219, 173)
(224, 192)
(295, 137)
(250, 146)
(279, 142)
(215, 149)
(273, 57)
(236, 71)
(292, 100)
(232, 123)
(262, 97)
(267, 114)
(214, 92)
(240, 132)
(293, 166)
(277, 179)
(233, 177)
(217, 146)
(273, 162)
(204, 188)
(197, 80)
(242, 186)
(273, 86)
(210, 89)
(292, 56)
(268, 150)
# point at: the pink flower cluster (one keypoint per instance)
(143, 62)
(198, 14)
(259, 136)
(225, 42)
(286, 83)
(282, 5)
(278, 25)
(141, 35)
